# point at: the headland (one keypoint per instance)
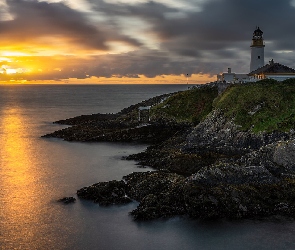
(218, 150)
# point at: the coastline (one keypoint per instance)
(208, 169)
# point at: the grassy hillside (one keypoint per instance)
(187, 106)
(266, 105)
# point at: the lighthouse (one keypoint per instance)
(257, 50)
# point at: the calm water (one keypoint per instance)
(35, 172)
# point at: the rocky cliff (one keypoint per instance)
(228, 153)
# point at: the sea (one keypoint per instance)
(35, 172)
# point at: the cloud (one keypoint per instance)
(35, 21)
(150, 38)
(219, 32)
(4, 11)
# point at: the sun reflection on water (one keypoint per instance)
(18, 175)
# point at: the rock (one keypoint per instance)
(160, 194)
(105, 193)
(122, 126)
(284, 154)
(219, 134)
(240, 201)
(218, 191)
(114, 131)
(67, 200)
(230, 173)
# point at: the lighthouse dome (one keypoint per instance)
(257, 33)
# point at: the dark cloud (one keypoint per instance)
(221, 33)
(228, 24)
(34, 20)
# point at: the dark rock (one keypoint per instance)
(113, 131)
(284, 154)
(105, 193)
(123, 126)
(67, 200)
(160, 194)
(227, 173)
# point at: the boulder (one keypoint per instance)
(284, 154)
(67, 200)
(105, 193)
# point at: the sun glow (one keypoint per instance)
(23, 67)
(10, 71)
(13, 53)
(16, 63)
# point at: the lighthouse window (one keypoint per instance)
(258, 57)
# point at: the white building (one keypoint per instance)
(272, 70)
(257, 50)
(226, 77)
(230, 77)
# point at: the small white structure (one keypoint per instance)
(230, 77)
(257, 50)
(226, 77)
(143, 113)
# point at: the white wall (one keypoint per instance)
(229, 77)
(257, 58)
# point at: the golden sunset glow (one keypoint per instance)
(13, 53)
(11, 71)
(194, 79)
(23, 68)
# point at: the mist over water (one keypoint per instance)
(35, 172)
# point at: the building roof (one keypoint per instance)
(272, 68)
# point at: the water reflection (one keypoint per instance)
(19, 209)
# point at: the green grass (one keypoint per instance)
(266, 105)
(187, 106)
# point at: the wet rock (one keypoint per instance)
(105, 193)
(112, 132)
(213, 193)
(160, 194)
(240, 201)
(87, 119)
(67, 200)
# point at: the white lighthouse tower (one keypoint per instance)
(257, 50)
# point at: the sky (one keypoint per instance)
(139, 41)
